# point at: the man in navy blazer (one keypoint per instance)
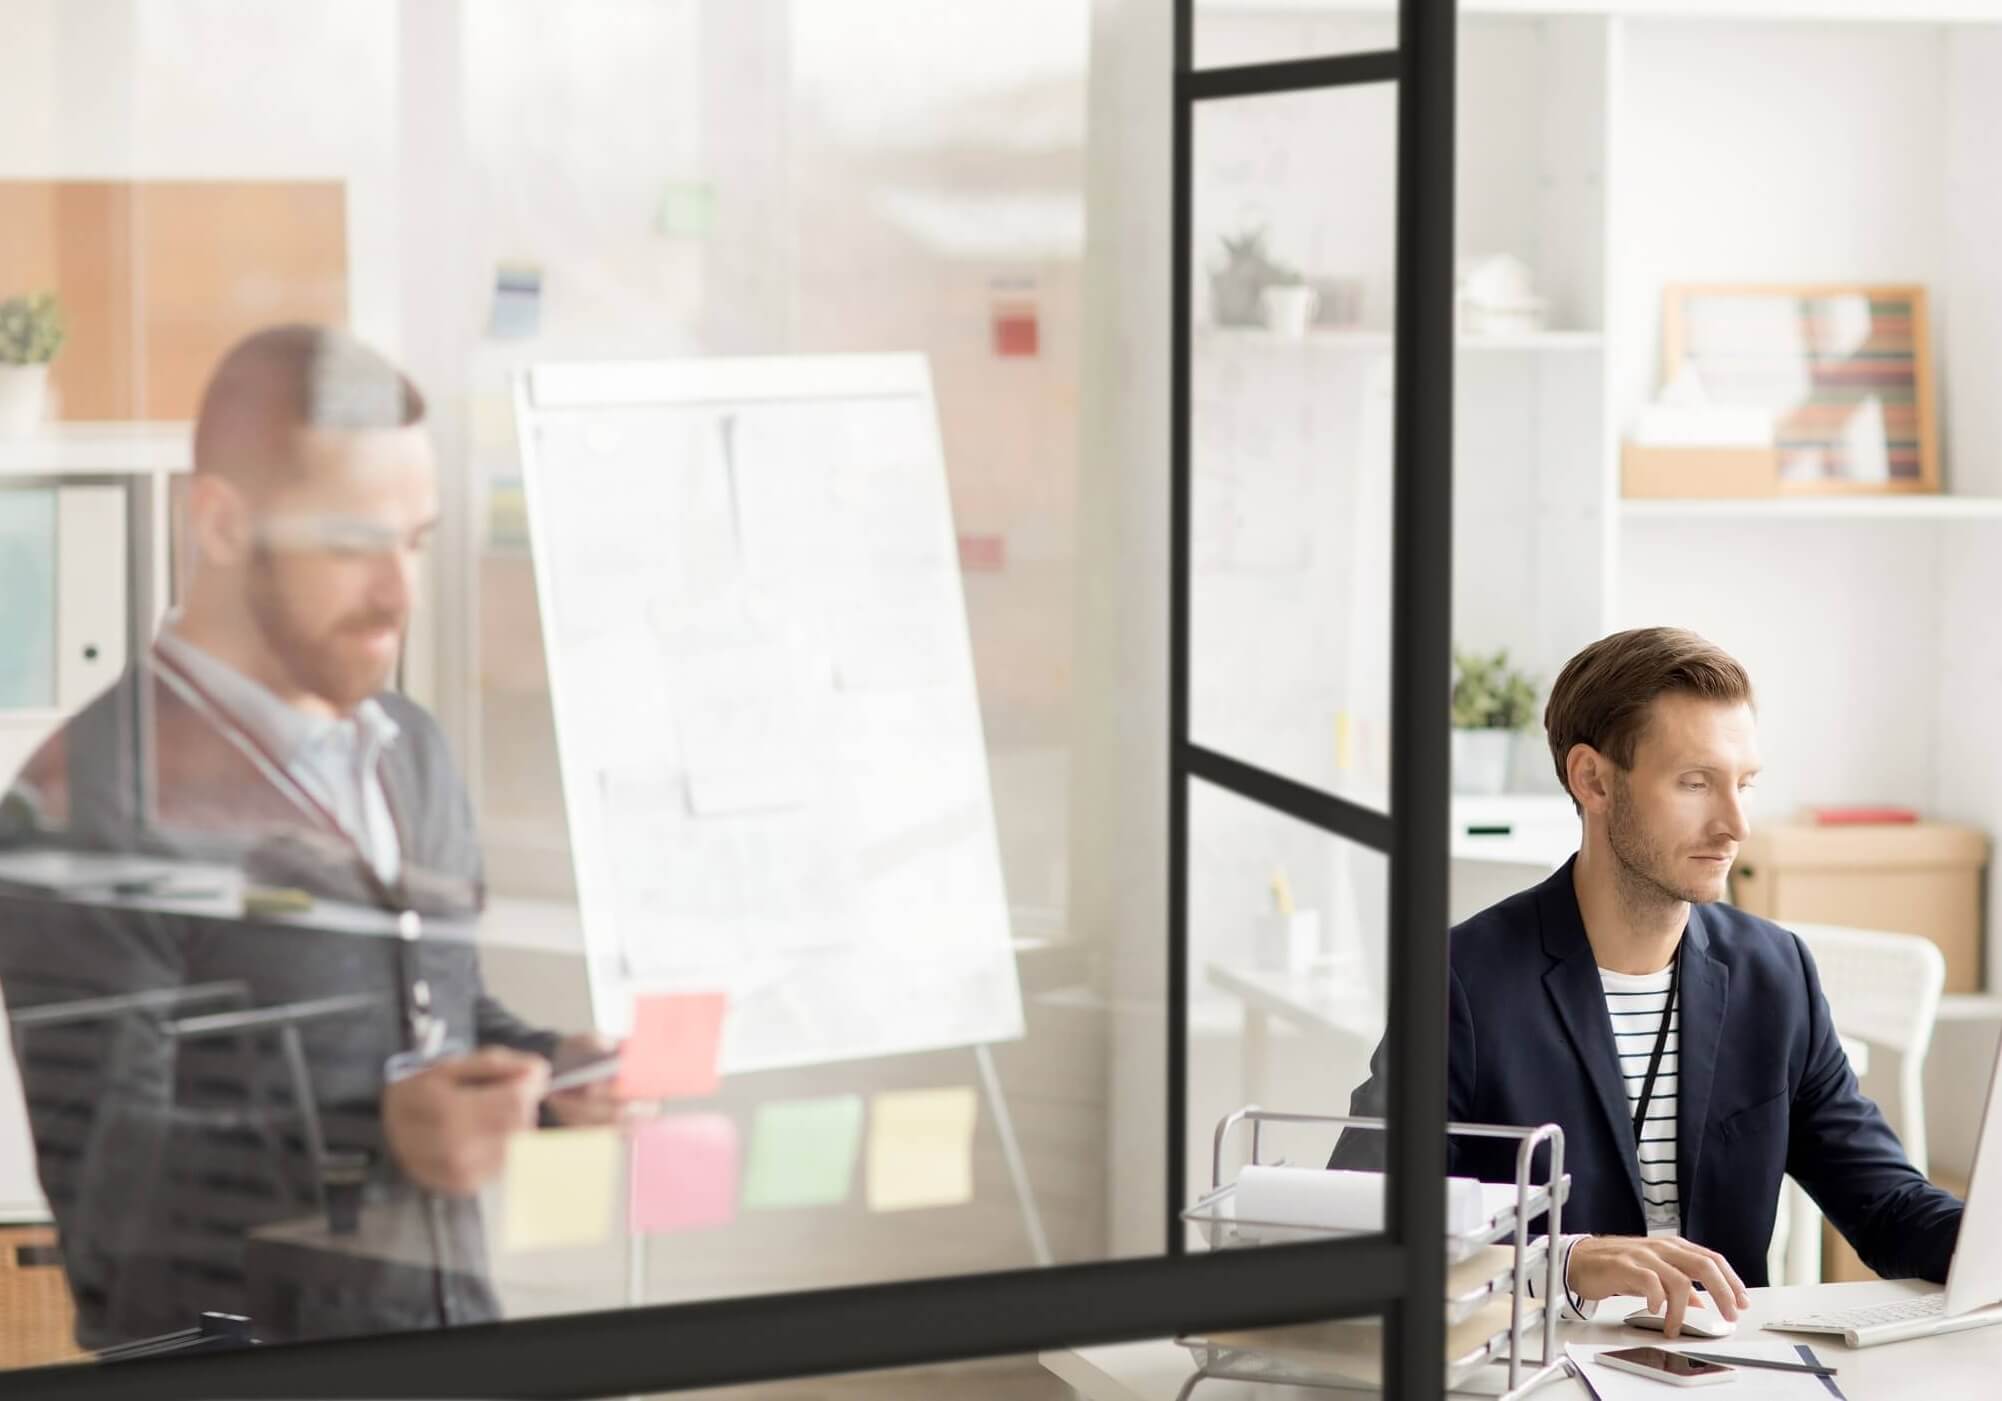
(1653, 734)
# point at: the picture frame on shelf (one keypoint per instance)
(1845, 369)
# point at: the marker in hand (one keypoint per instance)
(589, 1073)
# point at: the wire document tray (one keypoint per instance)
(1487, 1306)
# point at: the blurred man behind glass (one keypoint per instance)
(296, 824)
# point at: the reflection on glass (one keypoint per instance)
(293, 962)
(1286, 957)
(1290, 436)
(1232, 32)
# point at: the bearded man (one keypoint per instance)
(281, 994)
(1684, 1046)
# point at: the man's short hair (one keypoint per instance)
(282, 379)
(1602, 696)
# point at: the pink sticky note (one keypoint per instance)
(671, 1053)
(684, 1173)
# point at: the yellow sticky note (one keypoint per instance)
(561, 1188)
(921, 1148)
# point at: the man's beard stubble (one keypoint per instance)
(312, 662)
(1646, 873)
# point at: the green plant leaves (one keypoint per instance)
(31, 329)
(1489, 694)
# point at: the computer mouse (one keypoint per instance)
(1696, 1323)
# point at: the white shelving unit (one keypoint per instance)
(1616, 147)
(1857, 510)
(138, 461)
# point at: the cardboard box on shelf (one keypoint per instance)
(1651, 471)
(1912, 878)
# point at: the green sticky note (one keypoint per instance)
(561, 1187)
(687, 210)
(921, 1148)
(803, 1152)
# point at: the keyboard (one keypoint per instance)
(1889, 1323)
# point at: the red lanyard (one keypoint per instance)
(269, 764)
(416, 999)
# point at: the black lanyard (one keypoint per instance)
(1660, 1045)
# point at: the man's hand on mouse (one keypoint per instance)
(1664, 1270)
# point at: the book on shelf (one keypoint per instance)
(1858, 814)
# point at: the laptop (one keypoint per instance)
(1973, 1294)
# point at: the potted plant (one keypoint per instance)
(1491, 702)
(31, 332)
(1237, 289)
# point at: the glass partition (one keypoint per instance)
(538, 743)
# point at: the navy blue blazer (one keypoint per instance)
(1765, 1088)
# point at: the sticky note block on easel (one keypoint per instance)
(561, 1188)
(803, 1152)
(921, 1148)
(684, 1173)
(672, 1051)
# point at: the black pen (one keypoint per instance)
(1577, 1369)
(1811, 1368)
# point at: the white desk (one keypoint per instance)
(1949, 1368)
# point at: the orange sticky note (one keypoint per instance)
(684, 1173)
(672, 1051)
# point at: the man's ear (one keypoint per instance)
(1589, 776)
(218, 520)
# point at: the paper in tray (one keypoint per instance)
(1351, 1350)
(1225, 1225)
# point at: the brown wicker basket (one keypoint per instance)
(37, 1320)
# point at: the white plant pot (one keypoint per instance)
(24, 391)
(1481, 761)
(1289, 310)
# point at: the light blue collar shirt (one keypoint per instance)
(337, 761)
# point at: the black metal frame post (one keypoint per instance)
(1414, 834)
(1420, 688)
(1398, 1275)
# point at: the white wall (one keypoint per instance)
(1773, 153)
(1840, 628)
(216, 89)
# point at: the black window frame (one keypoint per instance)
(1398, 1275)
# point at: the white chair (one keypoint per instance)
(1883, 990)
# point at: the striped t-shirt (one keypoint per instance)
(1637, 1003)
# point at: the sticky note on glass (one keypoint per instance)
(1016, 331)
(561, 1188)
(803, 1152)
(684, 1174)
(672, 1051)
(921, 1148)
(983, 554)
(687, 210)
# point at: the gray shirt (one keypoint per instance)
(337, 761)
